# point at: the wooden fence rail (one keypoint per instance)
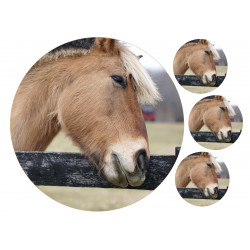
(72, 169)
(191, 80)
(204, 136)
(194, 193)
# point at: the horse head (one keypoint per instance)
(203, 175)
(201, 62)
(217, 118)
(100, 111)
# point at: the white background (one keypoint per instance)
(31, 220)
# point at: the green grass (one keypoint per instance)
(236, 127)
(223, 184)
(163, 138)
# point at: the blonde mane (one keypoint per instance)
(146, 90)
(72, 52)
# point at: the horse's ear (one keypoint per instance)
(205, 154)
(203, 41)
(218, 97)
(107, 45)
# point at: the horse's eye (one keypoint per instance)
(119, 80)
(209, 165)
(223, 109)
(207, 52)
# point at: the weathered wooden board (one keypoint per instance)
(204, 136)
(191, 80)
(194, 193)
(72, 169)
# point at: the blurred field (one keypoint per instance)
(236, 127)
(223, 184)
(163, 138)
(221, 71)
(94, 199)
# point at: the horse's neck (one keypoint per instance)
(34, 117)
(196, 119)
(183, 175)
(181, 62)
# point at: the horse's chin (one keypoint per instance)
(225, 140)
(121, 180)
(211, 84)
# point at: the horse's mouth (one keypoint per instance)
(210, 195)
(208, 82)
(123, 178)
(223, 138)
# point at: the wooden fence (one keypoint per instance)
(204, 136)
(72, 169)
(191, 80)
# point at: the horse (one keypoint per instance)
(201, 170)
(215, 114)
(91, 89)
(199, 57)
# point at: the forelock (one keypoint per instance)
(146, 90)
(215, 53)
(229, 107)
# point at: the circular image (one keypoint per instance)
(215, 122)
(86, 118)
(201, 179)
(200, 66)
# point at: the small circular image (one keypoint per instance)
(215, 122)
(201, 179)
(88, 118)
(200, 66)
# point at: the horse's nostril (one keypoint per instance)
(141, 160)
(214, 77)
(216, 190)
(229, 134)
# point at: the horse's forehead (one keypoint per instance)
(205, 159)
(111, 63)
(202, 46)
(219, 103)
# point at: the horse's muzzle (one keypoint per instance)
(123, 172)
(141, 160)
(225, 137)
(210, 81)
(212, 194)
